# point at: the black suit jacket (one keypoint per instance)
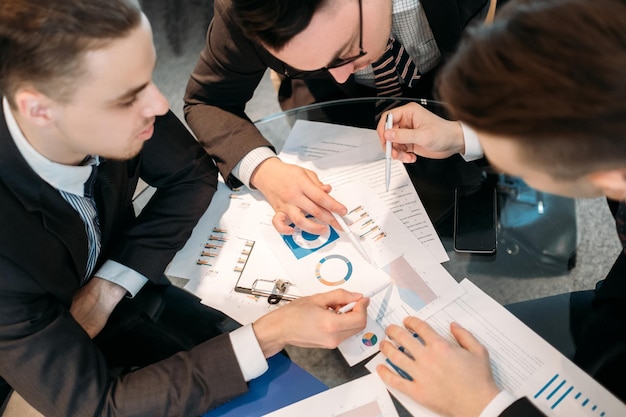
(522, 408)
(231, 66)
(44, 354)
(600, 336)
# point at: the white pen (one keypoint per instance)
(352, 237)
(388, 125)
(370, 294)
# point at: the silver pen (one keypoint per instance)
(370, 294)
(388, 125)
(352, 237)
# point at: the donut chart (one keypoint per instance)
(308, 240)
(330, 273)
(302, 243)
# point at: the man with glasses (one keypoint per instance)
(331, 49)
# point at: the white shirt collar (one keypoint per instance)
(67, 178)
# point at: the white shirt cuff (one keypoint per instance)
(473, 150)
(499, 403)
(131, 280)
(248, 352)
(245, 168)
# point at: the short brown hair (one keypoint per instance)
(42, 43)
(550, 73)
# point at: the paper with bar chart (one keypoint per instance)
(522, 362)
(419, 290)
(322, 263)
(382, 234)
(236, 241)
(341, 155)
(421, 286)
(225, 247)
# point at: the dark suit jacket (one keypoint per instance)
(231, 66)
(601, 342)
(599, 331)
(44, 354)
(522, 408)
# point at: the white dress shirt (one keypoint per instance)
(473, 149)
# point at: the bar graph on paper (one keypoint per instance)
(410, 294)
(558, 391)
(208, 253)
(212, 247)
(365, 227)
(222, 257)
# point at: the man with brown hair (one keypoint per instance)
(339, 49)
(541, 92)
(89, 324)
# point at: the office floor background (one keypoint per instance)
(179, 32)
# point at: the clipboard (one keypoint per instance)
(256, 279)
(276, 290)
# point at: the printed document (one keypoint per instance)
(522, 362)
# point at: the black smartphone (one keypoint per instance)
(475, 219)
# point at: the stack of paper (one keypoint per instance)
(235, 246)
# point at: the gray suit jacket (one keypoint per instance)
(44, 354)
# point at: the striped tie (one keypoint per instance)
(393, 69)
(86, 208)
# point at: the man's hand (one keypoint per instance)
(92, 305)
(450, 379)
(293, 192)
(417, 131)
(311, 322)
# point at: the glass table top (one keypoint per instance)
(536, 232)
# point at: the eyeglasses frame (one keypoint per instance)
(340, 62)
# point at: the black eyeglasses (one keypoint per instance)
(340, 62)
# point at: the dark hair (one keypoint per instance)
(550, 74)
(274, 22)
(42, 43)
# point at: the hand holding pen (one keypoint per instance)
(348, 307)
(417, 131)
(306, 322)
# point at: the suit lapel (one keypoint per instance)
(448, 18)
(36, 195)
(445, 23)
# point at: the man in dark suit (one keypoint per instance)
(541, 93)
(89, 325)
(331, 49)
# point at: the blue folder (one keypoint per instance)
(284, 383)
